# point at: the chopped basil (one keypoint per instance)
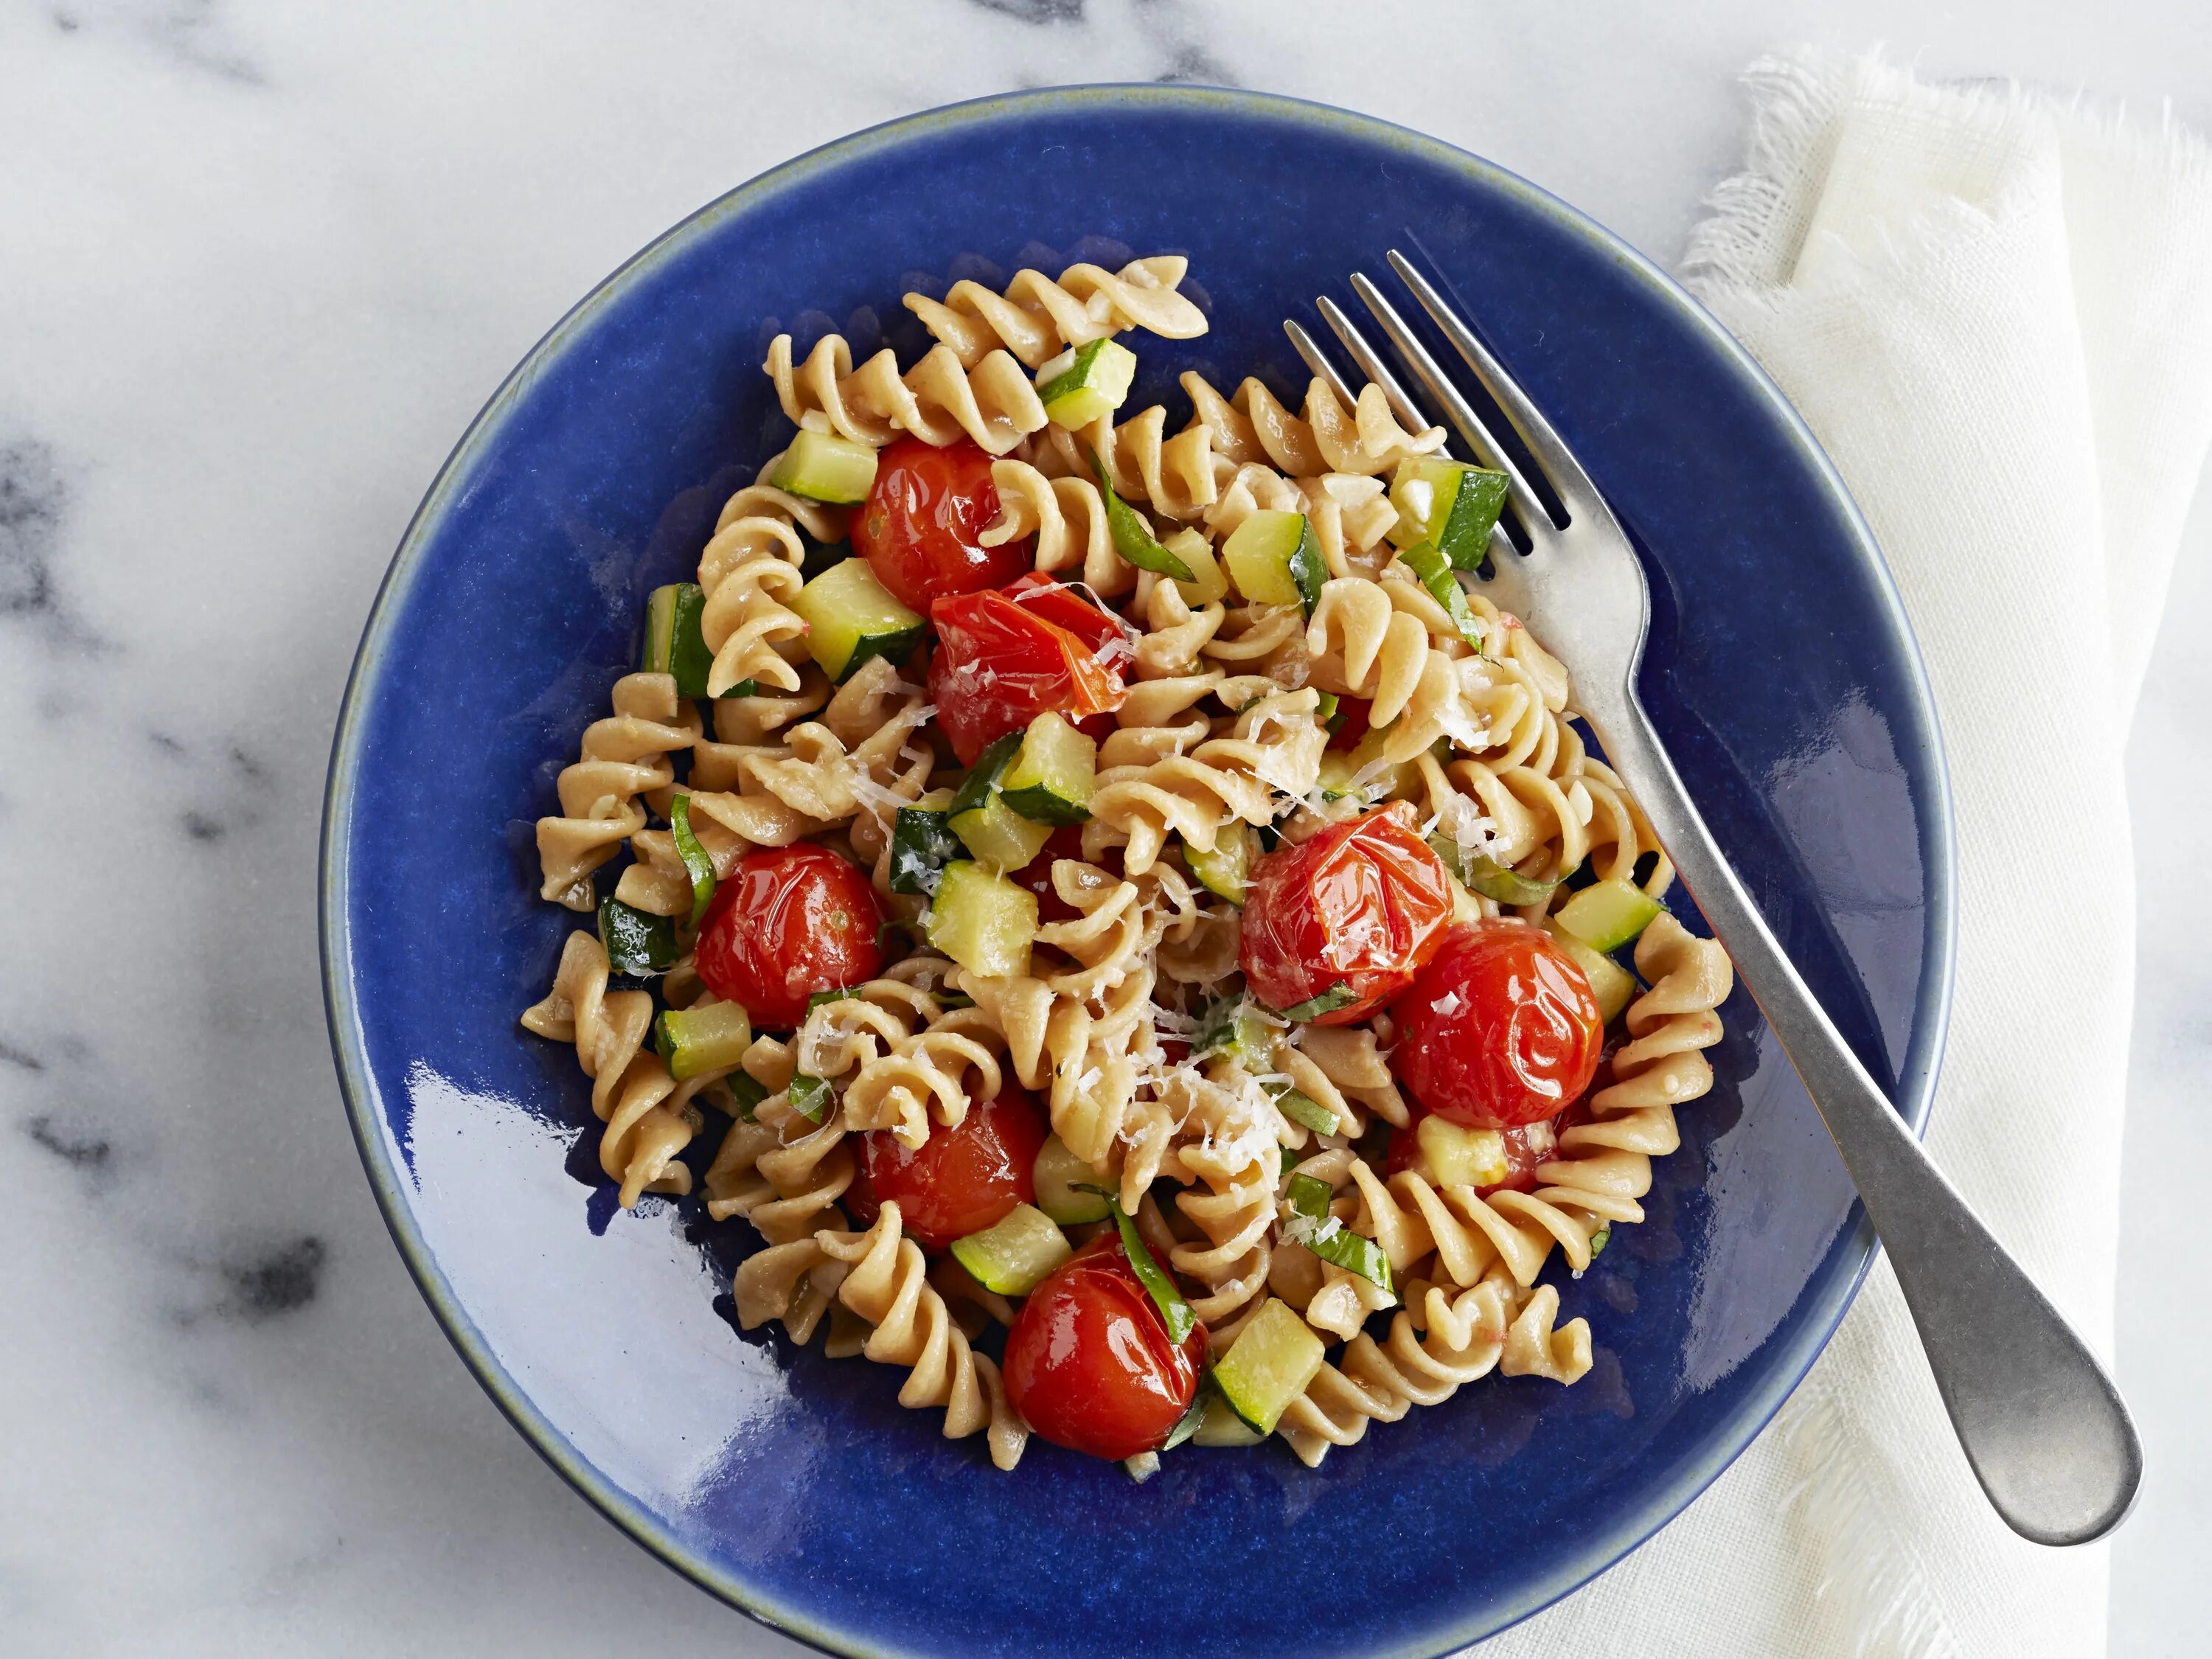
(1174, 1311)
(747, 1092)
(1479, 873)
(1312, 1225)
(1338, 996)
(1132, 538)
(637, 941)
(1302, 1109)
(810, 1097)
(1600, 1239)
(696, 864)
(1186, 1425)
(846, 994)
(1428, 562)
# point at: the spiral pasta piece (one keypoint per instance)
(1254, 426)
(1036, 318)
(1067, 516)
(887, 1284)
(940, 400)
(1273, 747)
(1173, 476)
(624, 756)
(632, 1092)
(749, 572)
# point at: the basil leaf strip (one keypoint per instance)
(1303, 1110)
(1338, 996)
(1427, 562)
(746, 1091)
(1479, 873)
(637, 941)
(696, 864)
(1133, 539)
(810, 1097)
(1186, 1425)
(1313, 1226)
(820, 996)
(1175, 1312)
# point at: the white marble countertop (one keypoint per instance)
(260, 261)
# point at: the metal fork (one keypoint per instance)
(2042, 1425)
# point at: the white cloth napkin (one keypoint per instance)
(1995, 309)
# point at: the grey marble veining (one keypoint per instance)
(260, 261)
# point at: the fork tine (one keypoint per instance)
(1370, 361)
(1565, 473)
(1486, 449)
(1303, 343)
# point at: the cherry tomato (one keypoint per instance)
(1500, 1029)
(1112, 641)
(1088, 1364)
(1363, 904)
(960, 1180)
(1352, 723)
(789, 921)
(918, 529)
(1066, 842)
(999, 664)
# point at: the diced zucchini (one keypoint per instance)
(1342, 771)
(824, 467)
(1274, 559)
(1456, 1155)
(1226, 869)
(1614, 986)
(1436, 573)
(850, 617)
(922, 843)
(1310, 1223)
(983, 921)
(1232, 1027)
(1053, 773)
(1607, 914)
(980, 815)
(1302, 1109)
(1208, 582)
(1479, 873)
(1338, 996)
(696, 1040)
(1014, 1255)
(1219, 1424)
(1600, 1239)
(673, 643)
(1085, 382)
(637, 941)
(1066, 1187)
(1448, 503)
(1269, 1364)
(1132, 538)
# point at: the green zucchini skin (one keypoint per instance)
(1053, 773)
(922, 844)
(850, 617)
(637, 942)
(673, 642)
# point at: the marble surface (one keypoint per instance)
(260, 260)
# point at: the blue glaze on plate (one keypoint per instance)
(1781, 673)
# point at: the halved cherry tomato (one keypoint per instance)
(789, 921)
(1363, 904)
(959, 1181)
(1352, 723)
(999, 664)
(917, 529)
(1089, 1365)
(1066, 842)
(1501, 1029)
(1111, 640)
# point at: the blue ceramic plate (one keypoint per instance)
(1781, 673)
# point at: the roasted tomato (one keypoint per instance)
(1362, 905)
(1066, 842)
(789, 921)
(920, 527)
(1112, 641)
(1501, 1029)
(1088, 1364)
(959, 1181)
(1001, 660)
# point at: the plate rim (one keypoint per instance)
(1917, 1075)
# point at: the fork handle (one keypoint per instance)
(2041, 1421)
